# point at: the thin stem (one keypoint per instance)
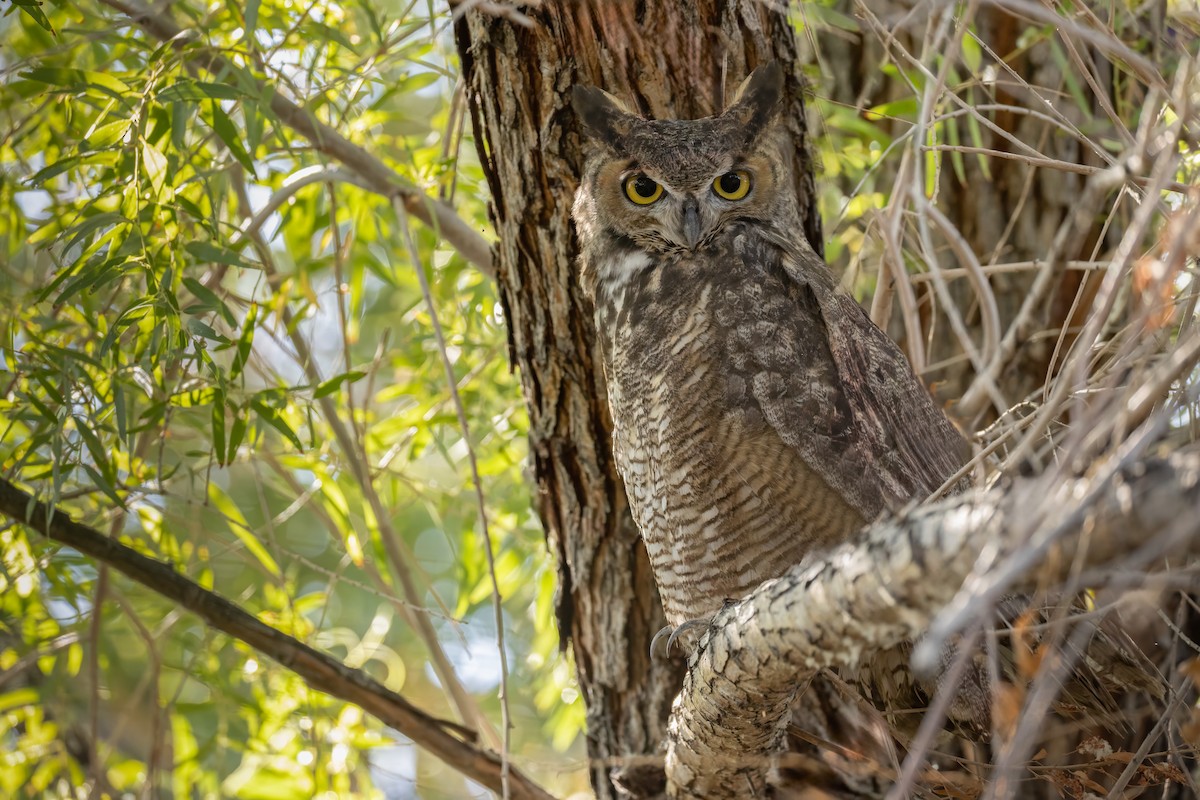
(498, 610)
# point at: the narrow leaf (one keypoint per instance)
(330, 386)
(245, 342)
(227, 132)
(240, 528)
(209, 252)
(74, 78)
(273, 418)
(155, 164)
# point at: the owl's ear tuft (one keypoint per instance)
(601, 115)
(757, 99)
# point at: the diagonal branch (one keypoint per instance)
(372, 171)
(837, 608)
(319, 670)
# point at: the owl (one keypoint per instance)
(758, 413)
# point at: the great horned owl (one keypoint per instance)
(758, 413)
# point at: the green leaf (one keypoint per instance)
(244, 343)
(104, 484)
(133, 314)
(252, 18)
(190, 90)
(212, 253)
(218, 427)
(227, 132)
(119, 410)
(33, 9)
(972, 53)
(39, 178)
(209, 299)
(155, 164)
(273, 418)
(330, 386)
(76, 78)
(78, 232)
(106, 135)
(18, 698)
(825, 17)
(236, 434)
(240, 528)
(94, 276)
(205, 331)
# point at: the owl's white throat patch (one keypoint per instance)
(616, 272)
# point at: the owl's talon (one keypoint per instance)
(665, 630)
(673, 634)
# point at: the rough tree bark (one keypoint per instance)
(666, 59)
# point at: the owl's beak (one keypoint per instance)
(691, 222)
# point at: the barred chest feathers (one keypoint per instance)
(720, 502)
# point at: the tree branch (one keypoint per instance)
(374, 174)
(319, 670)
(836, 608)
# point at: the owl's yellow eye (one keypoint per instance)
(642, 190)
(733, 185)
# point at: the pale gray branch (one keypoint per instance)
(838, 607)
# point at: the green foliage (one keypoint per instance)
(177, 383)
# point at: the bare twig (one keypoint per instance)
(1104, 41)
(1050, 163)
(497, 607)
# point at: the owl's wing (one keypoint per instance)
(850, 405)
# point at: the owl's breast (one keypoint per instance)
(722, 502)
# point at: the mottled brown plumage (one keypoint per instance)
(758, 412)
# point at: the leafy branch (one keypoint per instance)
(448, 741)
(373, 172)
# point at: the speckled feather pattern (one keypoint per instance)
(741, 444)
(758, 413)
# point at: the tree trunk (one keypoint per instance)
(664, 59)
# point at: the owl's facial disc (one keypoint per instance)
(684, 213)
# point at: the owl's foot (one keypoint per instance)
(672, 634)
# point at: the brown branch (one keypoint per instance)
(319, 670)
(373, 172)
(837, 608)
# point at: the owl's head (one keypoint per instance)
(672, 186)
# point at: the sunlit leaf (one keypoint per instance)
(240, 527)
(77, 78)
(330, 386)
(155, 165)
